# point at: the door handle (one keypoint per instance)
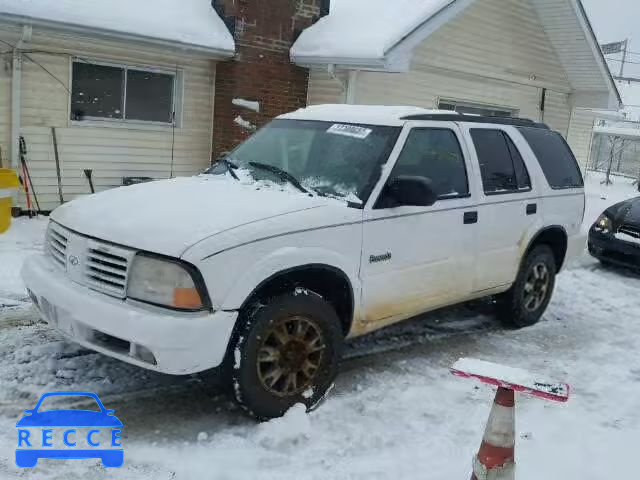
(532, 208)
(470, 218)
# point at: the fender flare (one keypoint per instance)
(296, 259)
(537, 235)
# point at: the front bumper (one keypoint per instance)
(151, 337)
(608, 248)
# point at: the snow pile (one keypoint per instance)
(190, 22)
(364, 29)
(246, 124)
(24, 238)
(601, 196)
(292, 428)
(248, 104)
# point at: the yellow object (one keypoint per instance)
(9, 183)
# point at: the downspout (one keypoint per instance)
(352, 87)
(331, 70)
(16, 96)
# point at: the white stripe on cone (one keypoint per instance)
(500, 431)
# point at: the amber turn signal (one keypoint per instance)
(187, 298)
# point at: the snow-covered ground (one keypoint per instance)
(395, 410)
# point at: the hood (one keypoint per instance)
(169, 216)
(627, 212)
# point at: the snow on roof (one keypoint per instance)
(188, 23)
(631, 131)
(364, 29)
(363, 114)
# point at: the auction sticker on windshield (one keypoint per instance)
(54, 433)
(349, 130)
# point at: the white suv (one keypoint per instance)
(330, 222)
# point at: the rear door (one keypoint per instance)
(418, 258)
(508, 206)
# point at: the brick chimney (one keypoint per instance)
(264, 31)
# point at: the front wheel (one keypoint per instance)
(528, 298)
(287, 352)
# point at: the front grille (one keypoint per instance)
(106, 271)
(630, 230)
(56, 241)
(96, 264)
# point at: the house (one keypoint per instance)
(138, 88)
(156, 88)
(531, 58)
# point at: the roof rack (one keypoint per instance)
(461, 117)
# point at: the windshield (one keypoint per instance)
(332, 159)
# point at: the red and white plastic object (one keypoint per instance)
(496, 458)
(511, 378)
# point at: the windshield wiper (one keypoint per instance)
(230, 167)
(283, 174)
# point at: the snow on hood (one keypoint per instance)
(364, 29)
(191, 22)
(630, 212)
(169, 216)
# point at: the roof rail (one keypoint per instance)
(461, 117)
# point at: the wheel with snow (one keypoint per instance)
(287, 352)
(525, 303)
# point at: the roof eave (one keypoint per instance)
(382, 64)
(210, 52)
(595, 47)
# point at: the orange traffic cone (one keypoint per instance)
(496, 458)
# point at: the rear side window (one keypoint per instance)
(501, 165)
(555, 157)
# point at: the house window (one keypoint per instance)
(476, 109)
(122, 93)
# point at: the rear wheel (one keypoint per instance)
(525, 303)
(287, 352)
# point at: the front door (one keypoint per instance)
(418, 258)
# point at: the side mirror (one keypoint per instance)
(412, 191)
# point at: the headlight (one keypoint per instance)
(604, 224)
(163, 282)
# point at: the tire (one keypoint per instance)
(275, 364)
(523, 306)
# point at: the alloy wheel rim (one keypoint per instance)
(536, 287)
(290, 356)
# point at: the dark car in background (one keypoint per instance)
(615, 237)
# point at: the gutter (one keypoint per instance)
(371, 64)
(211, 52)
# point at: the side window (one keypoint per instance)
(434, 153)
(501, 165)
(555, 157)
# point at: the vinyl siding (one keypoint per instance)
(5, 108)
(581, 135)
(494, 53)
(324, 89)
(111, 152)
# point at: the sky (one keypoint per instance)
(616, 20)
